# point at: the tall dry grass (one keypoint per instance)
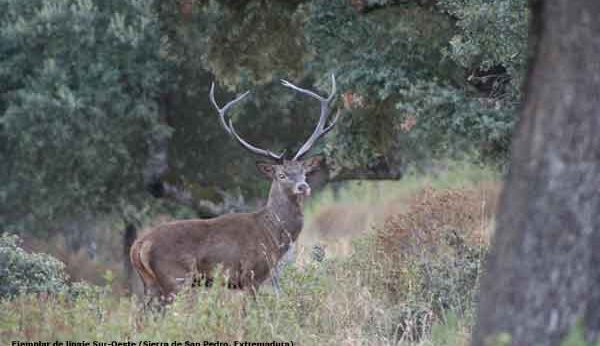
(409, 278)
(334, 219)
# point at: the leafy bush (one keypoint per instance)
(78, 107)
(22, 272)
(490, 42)
(436, 121)
(407, 95)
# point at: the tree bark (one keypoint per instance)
(543, 272)
(129, 236)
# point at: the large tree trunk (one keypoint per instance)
(543, 273)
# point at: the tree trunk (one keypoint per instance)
(129, 236)
(543, 272)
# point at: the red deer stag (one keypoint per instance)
(246, 245)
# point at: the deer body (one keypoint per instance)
(248, 246)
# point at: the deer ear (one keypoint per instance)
(267, 169)
(312, 164)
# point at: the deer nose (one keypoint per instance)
(303, 189)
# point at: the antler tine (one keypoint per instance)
(229, 127)
(320, 129)
(225, 108)
(332, 123)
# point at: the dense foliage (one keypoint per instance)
(78, 106)
(22, 272)
(410, 89)
(490, 43)
(418, 80)
(415, 102)
(92, 92)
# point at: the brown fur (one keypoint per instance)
(140, 260)
(246, 245)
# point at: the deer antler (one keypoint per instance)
(228, 126)
(320, 129)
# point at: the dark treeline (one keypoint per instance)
(104, 104)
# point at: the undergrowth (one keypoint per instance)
(410, 280)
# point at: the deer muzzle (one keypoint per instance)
(302, 189)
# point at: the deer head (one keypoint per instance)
(290, 175)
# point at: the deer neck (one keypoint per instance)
(283, 215)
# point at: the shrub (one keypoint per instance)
(426, 262)
(435, 213)
(397, 286)
(22, 272)
(79, 109)
(490, 42)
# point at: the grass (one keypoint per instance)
(322, 306)
(334, 218)
(387, 287)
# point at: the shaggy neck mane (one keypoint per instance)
(283, 215)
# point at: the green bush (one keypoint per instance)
(22, 272)
(490, 37)
(78, 107)
(410, 92)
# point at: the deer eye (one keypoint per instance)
(281, 176)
